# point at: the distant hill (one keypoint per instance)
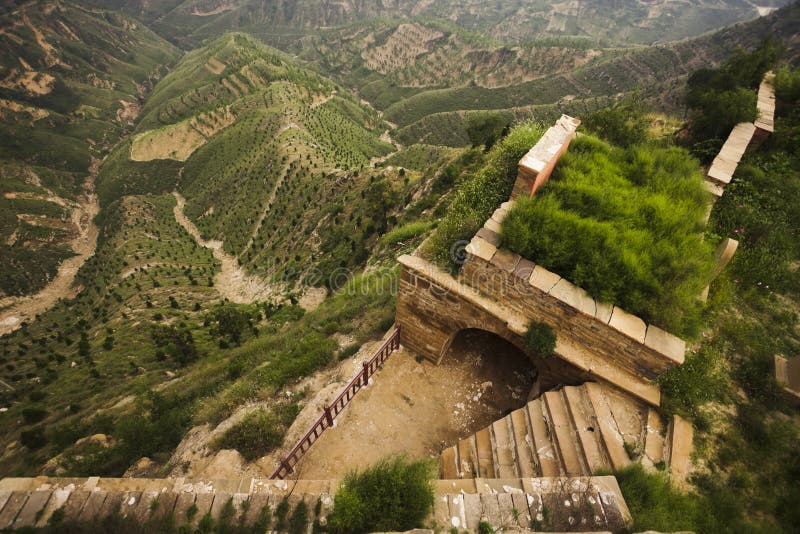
(628, 21)
(71, 81)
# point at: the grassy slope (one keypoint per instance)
(94, 61)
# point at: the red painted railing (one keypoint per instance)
(325, 420)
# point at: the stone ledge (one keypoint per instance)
(628, 324)
(665, 343)
(481, 248)
(574, 296)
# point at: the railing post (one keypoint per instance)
(328, 416)
(366, 373)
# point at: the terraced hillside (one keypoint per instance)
(268, 155)
(396, 58)
(189, 21)
(656, 72)
(71, 81)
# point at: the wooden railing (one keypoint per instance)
(330, 412)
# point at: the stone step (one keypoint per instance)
(523, 442)
(585, 425)
(449, 460)
(681, 445)
(565, 438)
(504, 449)
(554, 504)
(547, 458)
(611, 437)
(653, 440)
(548, 504)
(467, 455)
(483, 446)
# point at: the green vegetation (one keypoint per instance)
(63, 86)
(540, 340)
(654, 503)
(625, 225)
(718, 99)
(259, 432)
(392, 495)
(477, 198)
(746, 432)
(624, 124)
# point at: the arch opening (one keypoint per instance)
(544, 373)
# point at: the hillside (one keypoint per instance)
(655, 70)
(71, 81)
(268, 155)
(284, 21)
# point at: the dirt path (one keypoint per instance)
(232, 281)
(419, 408)
(386, 138)
(16, 310)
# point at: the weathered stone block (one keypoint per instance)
(628, 324)
(481, 248)
(524, 269)
(505, 260)
(493, 238)
(665, 343)
(492, 225)
(543, 279)
(574, 296)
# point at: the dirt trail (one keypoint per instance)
(419, 408)
(16, 310)
(232, 281)
(386, 137)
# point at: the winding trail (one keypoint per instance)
(16, 310)
(232, 282)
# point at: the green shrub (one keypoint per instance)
(654, 503)
(259, 432)
(479, 196)
(787, 85)
(624, 124)
(392, 495)
(33, 414)
(33, 438)
(625, 225)
(700, 379)
(231, 322)
(406, 233)
(540, 340)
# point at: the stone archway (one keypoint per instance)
(546, 373)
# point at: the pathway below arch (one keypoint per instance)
(418, 408)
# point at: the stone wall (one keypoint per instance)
(503, 293)
(433, 308)
(537, 165)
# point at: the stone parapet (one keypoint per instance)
(765, 104)
(537, 165)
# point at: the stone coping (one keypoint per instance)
(724, 165)
(484, 245)
(543, 152)
(766, 104)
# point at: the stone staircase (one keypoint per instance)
(572, 431)
(555, 504)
